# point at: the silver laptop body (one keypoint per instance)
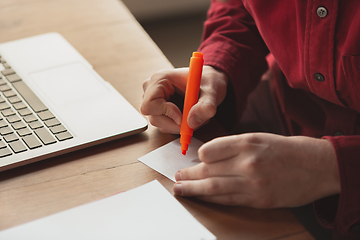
(53, 102)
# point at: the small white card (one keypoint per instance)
(168, 159)
(146, 212)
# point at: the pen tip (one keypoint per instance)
(184, 152)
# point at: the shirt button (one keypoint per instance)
(322, 12)
(355, 228)
(339, 133)
(319, 77)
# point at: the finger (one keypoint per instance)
(223, 168)
(200, 113)
(156, 92)
(159, 107)
(204, 109)
(146, 84)
(221, 148)
(175, 77)
(209, 186)
(165, 124)
(233, 199)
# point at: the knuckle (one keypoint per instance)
(250, 138)
(167, 110)
(261, 183)
(145, 84)
(264, 202)
(251, 165)
(164, 88)
(144, 109)
(231, 200)
(209, 110)
(213, 187)
(184, 174)
(188, 189)
(204, 172)
(153, 121)
(203, 154)
(160, 75)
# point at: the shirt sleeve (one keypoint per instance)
(231, 42)
(342, 212)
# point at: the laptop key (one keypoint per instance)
(58, 129)
(7, 71)
(18, 125)
(2, 100)
(5, 130)
(19, 105)
(8, 112)
(31, 141)
(4, 106)
(24, 132)
(52, 122)
(4, 152)
(6, 65)
(3, 123)
(30, 118)
(9, 93)
(45, 136)
(25, 112)
(14, 99)
(13, 118)
(17, 146)
(13, 78)
(11, 137)
(4, 88)
(45, 115)
(35, 103)
(2, 144)
(35, 125)
(63, 136)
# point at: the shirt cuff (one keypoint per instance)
(342, 212)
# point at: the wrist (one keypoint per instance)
(330, 160)
(318, 156)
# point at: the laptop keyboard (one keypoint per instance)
(25, 122)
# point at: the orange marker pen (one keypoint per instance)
(191, 97)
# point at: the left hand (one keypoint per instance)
(262, 170)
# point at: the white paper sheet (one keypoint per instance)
(168, 159)
(146, 212)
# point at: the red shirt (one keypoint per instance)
(316, 46)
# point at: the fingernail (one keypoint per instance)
(195, 121)
(178, 176)
(177, 189)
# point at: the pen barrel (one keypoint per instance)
(191, 94)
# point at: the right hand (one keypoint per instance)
(166, 115)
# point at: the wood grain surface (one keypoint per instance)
(110, 38)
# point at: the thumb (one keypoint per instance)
(201, 112)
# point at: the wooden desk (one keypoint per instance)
(108, 36)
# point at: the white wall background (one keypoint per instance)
(145, 10)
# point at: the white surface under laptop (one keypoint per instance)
(88, 106)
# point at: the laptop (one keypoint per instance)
(52, 102)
